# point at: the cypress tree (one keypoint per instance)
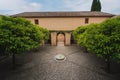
(93, 7)
(99, 5)
(96, 5)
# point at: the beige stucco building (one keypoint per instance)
(61, 24)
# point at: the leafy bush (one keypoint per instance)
(78, 34)
(18, 35)
(102, 39)
(45, 33)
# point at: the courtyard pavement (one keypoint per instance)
(41, 65)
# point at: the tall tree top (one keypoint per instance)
(99, 5)
(96, 5)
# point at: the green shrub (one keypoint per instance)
(77, 34)
(18, 35)
(45, 33)
(102, 39)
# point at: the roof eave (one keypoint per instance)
(62, 16)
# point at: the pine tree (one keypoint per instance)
(96, 5)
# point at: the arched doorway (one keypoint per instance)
(63, 37)
(60, 39)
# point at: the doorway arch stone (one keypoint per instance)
(61, 36)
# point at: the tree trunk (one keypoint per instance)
(13, 60)
(108, 65)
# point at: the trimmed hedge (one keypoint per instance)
(18, 35)
(102, 39)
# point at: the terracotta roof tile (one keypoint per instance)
(63, 14)
(116, 16)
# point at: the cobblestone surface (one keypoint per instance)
(41, 65)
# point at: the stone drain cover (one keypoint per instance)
(60, 57)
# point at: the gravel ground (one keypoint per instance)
(41, 65)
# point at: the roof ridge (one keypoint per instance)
(63, 14)
(60, 11)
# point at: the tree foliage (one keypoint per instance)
(96, 5)
(18, 35)
(99, 7)
(45, 33)
(102, 39)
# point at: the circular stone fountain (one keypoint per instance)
(60, 57)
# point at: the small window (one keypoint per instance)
(86, 20)
(36, 21)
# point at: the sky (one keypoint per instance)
(9, 7)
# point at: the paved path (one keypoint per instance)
(41, 65)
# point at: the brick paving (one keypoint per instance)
(41, 65)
